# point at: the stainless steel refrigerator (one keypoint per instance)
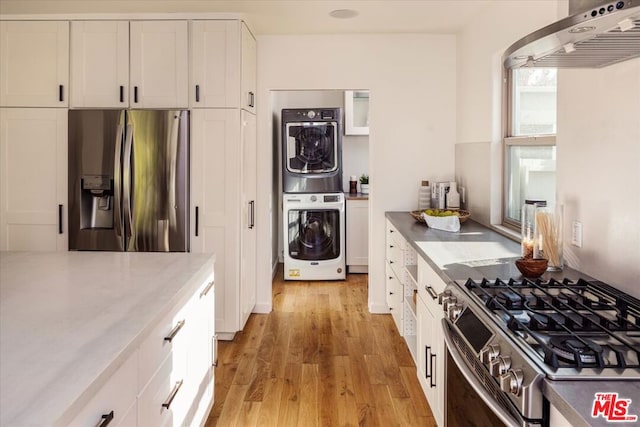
(128, 180)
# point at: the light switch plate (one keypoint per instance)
(576, 234)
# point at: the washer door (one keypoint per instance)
(312, 147)
(314, 234)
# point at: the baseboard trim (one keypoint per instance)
(225, 336)
(358, 269)
(263, 308)
(378, 308)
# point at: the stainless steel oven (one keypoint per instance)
(505, 338)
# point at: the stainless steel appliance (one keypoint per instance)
(312, 150)
(596, 34)
(504, 338)
(314, 236)
(128, 180)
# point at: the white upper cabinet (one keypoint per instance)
(249, 70)
(223, 65)
(159, 75)
(34, 63)
(99, 64)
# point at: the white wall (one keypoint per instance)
(479, 127)
(598, 140)
(412, 133)
(599, 170)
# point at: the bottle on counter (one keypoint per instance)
(353, 185)
(424, 196)
(453, 197)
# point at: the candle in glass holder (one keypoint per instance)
(527, 227)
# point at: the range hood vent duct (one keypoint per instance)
(595, 37)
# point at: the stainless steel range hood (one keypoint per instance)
(593, 36)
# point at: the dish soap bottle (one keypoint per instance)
(453, 197)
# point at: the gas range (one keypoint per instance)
(515, 333)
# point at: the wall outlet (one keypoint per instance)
(576, 234)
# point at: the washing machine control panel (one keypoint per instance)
(328, 198)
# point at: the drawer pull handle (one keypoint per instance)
(390, 262)
(60, 231)
(391, 246)
(197, 93)
(61, 93)
(121, 93)
(431, 291)
(106, 419)
(390, 293)
(215, 350)
(206, 290)
(432, 379)
(135, 94)
(174, 331)
(172, 396)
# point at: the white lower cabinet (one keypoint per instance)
(401, 279)
(430, 339)
(357, 230)
(33, 179)
(168, 380)
(115, 400)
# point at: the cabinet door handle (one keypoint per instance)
(432, 379)
(106, 419)
(60, 219)
(390, 293)
(196, 227)
(391, 246)
(61, 93)
(427, 359)
(121, 93)
(390, 262)
(215, 350)
(431, 292)
(252, 215)
(176, 388)
(206, 290)
(197, 93)
(251, 99)
(172, 334)
(135, 94)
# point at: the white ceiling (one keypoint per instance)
(289, 16)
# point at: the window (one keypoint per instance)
(530, 142)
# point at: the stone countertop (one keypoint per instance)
(357, 196)
(69, 319)
(477, 251)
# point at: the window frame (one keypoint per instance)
(508, 140)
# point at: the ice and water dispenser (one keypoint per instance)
(96, 202)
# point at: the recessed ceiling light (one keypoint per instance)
(581, 29)
(343, 13)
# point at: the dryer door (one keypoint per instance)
(312, 147)
(314, 234)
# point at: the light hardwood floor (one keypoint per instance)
(318, 359)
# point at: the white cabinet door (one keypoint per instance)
(99, 64)
(249, 70)
(34, 61)
(357, 235)
(159, 64)
(249, 241)
(33, 179)
(216, 212)
(215, 64)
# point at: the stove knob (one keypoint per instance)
(443, 296)
(453, 311)
(448, 302)
(489, 353)
(499, 365)
(511, 382)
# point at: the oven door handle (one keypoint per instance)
(501, 413)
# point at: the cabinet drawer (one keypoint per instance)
(395, 256)
(117, 395)
(430, 285)
(169, 337)
(164, 401)
(394, 289)
(394, 237)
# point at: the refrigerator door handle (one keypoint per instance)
(126, 187)
(117, 177)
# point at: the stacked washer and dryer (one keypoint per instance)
(313, 201)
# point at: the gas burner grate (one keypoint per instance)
(547, 312)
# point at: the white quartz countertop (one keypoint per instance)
(68, 320)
